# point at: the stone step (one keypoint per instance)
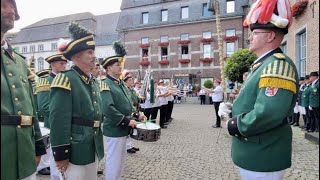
(312, 136)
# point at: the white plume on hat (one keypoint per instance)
(62, 44)
(262, 11)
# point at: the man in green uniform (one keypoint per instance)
(314, 101)
(129, 84)
(57, 63)
(262, 137)
(75, 110)
(21, 139)
(119, 119)
(305, 102)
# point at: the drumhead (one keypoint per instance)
(148, 125)
(44, 131)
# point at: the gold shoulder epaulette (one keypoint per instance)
(43, 85)
(103, 86)
(279, 56)
(279, 74)
(61, 81)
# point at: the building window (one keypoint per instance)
(230, 48)
(145, 18)
(40, 47)
(284, 47)
(184, 37)
(184, 12)
(230, 32)
(164, 15)
(164, 38)
(32, 48)
(24, 49)
(205, 12)
(40, 64)
(164, 53)
(207, 51)
(206, 35)
(230, 6)
(302, 54)
(145, 41)
(54, 46)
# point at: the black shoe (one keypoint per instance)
(296, 124)
(164, 127)
(136, 149)
(131, 151)
(216, 126)
(166, 123)
(44, 171)
(99, 172)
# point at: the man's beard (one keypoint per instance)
(6, 25)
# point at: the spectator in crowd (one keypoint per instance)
(202, 95)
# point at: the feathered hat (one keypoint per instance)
(32, 75)
(120, 53)
(82, 40)
(269, 14)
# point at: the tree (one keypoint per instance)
(239, 63)
(208, 84)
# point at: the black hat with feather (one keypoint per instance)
(82, 40)
(120, 53)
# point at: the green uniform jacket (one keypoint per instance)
(134, 98)
(74, 95)
(43, 97)
(314, 95)
(305, 96)
(117, 108)
(262, 137)
(19, 144)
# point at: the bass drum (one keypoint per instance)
(146, 131)
(45, 134)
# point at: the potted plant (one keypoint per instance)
(206, 60)
(164, 62)
(163, 44)
(144, 62)
(207, 40)
(298, 8)
(143, 46)
(184, 42)
(184, 61)
(230, 38)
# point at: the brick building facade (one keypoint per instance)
(145, 27)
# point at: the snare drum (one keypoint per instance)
(45, 134)
(146, 131)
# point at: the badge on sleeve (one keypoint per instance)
(271, 91)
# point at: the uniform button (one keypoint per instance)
(95, 132)
(66, 151)
(13, 86)
(19, 126)
(236, 135)
(246, 139)
(10, 74)
(16, 99)
(232, 122)
(95, 102)
(54, 152)
(19, 112)
(70, 138)
(94, 93)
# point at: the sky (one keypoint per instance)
(32, 11)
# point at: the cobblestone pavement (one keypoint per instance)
(188, 150)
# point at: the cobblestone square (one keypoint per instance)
(188, 150)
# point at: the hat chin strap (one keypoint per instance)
(278, 21)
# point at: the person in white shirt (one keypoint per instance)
(202, 95)
(162, 93)
(217, 98)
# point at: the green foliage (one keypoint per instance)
(239, 63)
(208, 84)
(78, 31)
(119, 48)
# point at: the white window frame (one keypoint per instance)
(207, 51)
(40, 48)
(229, 51)
(207, 35)
(303, 53)
(54, 46)
(40, 63)
(164, 38)
(32, 48)
(231, 4)
(184, 37)
(230, 32)
(205, 11)
(185, 12)
(145, 40)
(24, 49)
(164, 15)
(145, 18)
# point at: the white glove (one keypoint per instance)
(225, 110)
(310, 108)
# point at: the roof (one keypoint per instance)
(103, 26)
(134, 3)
